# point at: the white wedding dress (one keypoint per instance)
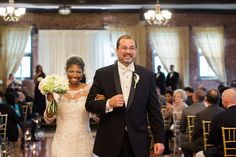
(73, 137)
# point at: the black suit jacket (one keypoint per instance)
(142, 100)
(173, 81)
(12, 121)
(226, 119)
(206, 114)
(160, 82)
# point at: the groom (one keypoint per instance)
(130, 103)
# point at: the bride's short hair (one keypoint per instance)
(75, 60)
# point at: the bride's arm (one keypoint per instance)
(49, 117)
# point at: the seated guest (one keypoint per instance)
(221, 90)
(212, 100)
(14, 100)
(10, 82)
(162, 98)
(189, 91)
(13, 130)
(177, 107)
(225, 119)
(169, 96)
(197, 106)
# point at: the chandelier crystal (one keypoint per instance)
(10, 13)
(157, 17)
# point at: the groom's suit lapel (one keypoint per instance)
(117, 80)
(132, 89)
(119, 89)
(131, 93)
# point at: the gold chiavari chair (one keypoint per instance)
(30, 107)
(6, 146)
(229, 141)
(190, 121)
(25, 111)
(176, 139)
(206, 125)
(3, 127)
(166, 120)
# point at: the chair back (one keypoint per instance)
(176, 129)
(206, 125)
(229, 141)
(3, 126)
(30, 107)
(190, 121)
(25, 111)
(176, 121)
(166, 121)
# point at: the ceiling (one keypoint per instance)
(125, 5)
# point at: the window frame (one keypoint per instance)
(27, 54)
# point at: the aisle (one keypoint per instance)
(39, 148)
(43, 147)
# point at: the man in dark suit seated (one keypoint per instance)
(196, 107)
(212, 100)
(189, 91)
(225, 119)
(160, 80)
(172, 80)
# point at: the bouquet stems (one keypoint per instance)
(52, 107)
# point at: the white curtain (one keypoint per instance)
(56, 46)
(138, 33)
(13, 44)
(211, 41)
(172, 47)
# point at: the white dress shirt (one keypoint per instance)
(125, 74)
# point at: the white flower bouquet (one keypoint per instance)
(53, 84)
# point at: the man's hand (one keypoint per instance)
(158, 148)
(116, 101)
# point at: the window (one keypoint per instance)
(205, 70)
(25, 69)
(157, 62)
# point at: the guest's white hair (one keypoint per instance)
(182, 92)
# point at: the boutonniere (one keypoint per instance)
(136, 79)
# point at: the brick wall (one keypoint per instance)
(99, 20)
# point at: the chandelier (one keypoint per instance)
(157, 16)
(10, 13)
(64, 9)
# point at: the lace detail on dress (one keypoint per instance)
(73, 136)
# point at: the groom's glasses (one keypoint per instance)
(128, 48)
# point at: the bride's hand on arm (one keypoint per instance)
(96, 117)
(99, 97)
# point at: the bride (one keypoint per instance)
(73, 136)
